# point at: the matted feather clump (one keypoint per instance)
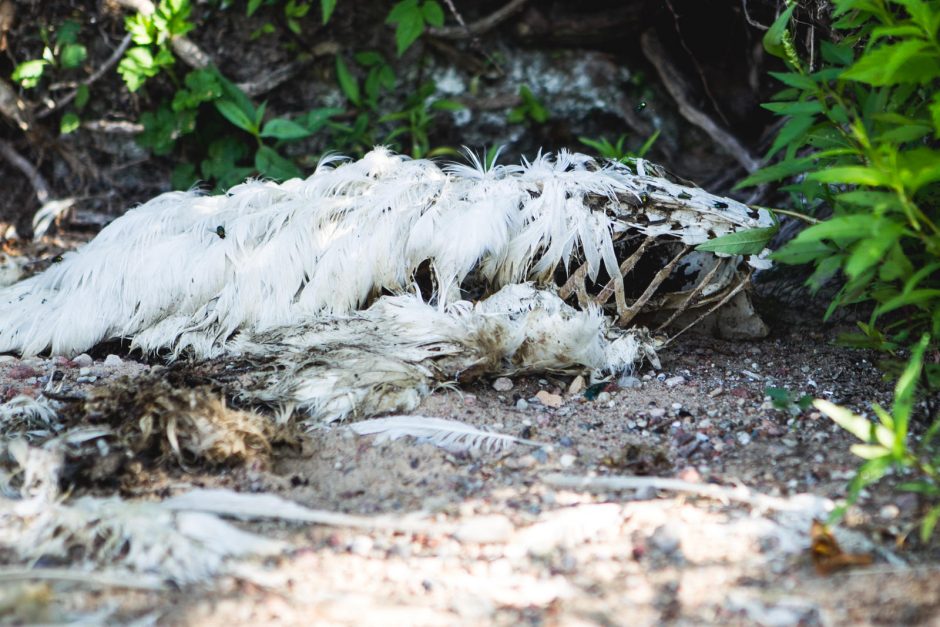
(371, 266)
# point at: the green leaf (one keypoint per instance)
(326, 9)
(448, 105)
(73, 55)
(67, 32)
(908, 61)
(795, 253)
(140, 28)
(433, 13)
(870, 250)
(857, 425)
(907, 386)
(777, 171)
(317, 118)
(749, 242)
(795, 79)
(929, 523)
(840, 228)
(234, 114)
(281, 128)
(794, 129)
(253, 5)
(869, 451)
(793, 108)
(842, 53)
(28, 73)
(70, 122)
(852, 175)
(400, 10)
(408, 30)
(81, 96)
(369, 58)
(159, 134)
(272, 165)
(774, 37)
(347, 82)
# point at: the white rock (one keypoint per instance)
(113, 360)
(672, 382)
(502, 384)
(83, 360)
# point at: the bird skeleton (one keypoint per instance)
(357, 290)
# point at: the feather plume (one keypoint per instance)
(452, 435)
(165, 276)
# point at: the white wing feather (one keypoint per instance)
(452, 435)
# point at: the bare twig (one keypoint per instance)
(674, 84)
(698, 66)
(12, 106)
(18, 161)
(750, 20)
(109, 63)
(741, 494)
(466, 31)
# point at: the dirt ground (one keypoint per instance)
(532, 535)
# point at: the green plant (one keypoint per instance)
(62, 51)
(152, 34)
(618, 151)
(785, 400)
(411, 18)
(413, 121)
(887, 444)
(860, 137)
(860, 131)
(529, 110)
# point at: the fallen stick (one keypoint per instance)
(800, 502)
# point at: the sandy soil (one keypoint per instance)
(510, 542)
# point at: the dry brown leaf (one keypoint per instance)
(827, 556)
(7, 17)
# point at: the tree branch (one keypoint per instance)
(466, 31)
(675, 85)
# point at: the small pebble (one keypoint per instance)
(548, 399)
(672, 382)
(360, 545)
(494, 528)
(84, 372)
(717, 391)
(83, 360)
(522, 404)
(502, 384)
(603, 397)
(565, 441)
(629, 382)
(676, 406)
(577, 384)
(113, 360)
(665, 539)
(567, 460)
(657, 412)
(744, 438)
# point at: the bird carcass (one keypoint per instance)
(363, 286)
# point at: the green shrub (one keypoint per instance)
(860, 138)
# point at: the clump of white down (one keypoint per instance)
(186, 271)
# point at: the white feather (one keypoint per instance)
(163, 276)
(452, 435)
